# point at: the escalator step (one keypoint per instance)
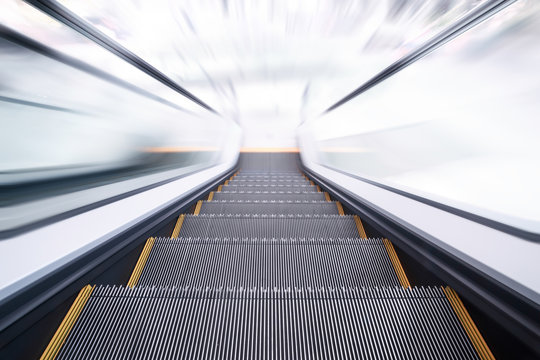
(268, 269)
(269, 177)
(295, 188)
(268, 173)
(269, 227)
(269, 263)
(278, 162)
(269, 208)
(267, 182)
(154, 322)
(269, 196)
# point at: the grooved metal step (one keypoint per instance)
(266, 182)
(268, 263)
(275, 162)
(173, 323)
(269, 208)
(269, 196)
(295, 188)
(269, 227)
(240, 176)
(246, 172)
(249, 285)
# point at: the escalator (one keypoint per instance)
(268, 266)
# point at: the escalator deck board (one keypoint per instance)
(269, 227)
(271, 263)
(153, 322)
(269, 207)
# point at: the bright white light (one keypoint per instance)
(235, 54)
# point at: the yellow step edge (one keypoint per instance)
(211, 196)
(340, 208)
(396, 263)
(219, 188)
(468, 324)
(360, 227)
(318, 188)
(137, 271)
(61, 334)
(178, 226)
(327, 196)
(311, 183)
(226, 182)
(198, 208)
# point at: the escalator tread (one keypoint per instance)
(269, 267)
(269, 227)
(272, 263)
(154, 322)
(269, 196)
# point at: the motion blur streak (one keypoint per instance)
(70, 108)
(459, 126)
(270, 64)
(400, 136)
(180, 149)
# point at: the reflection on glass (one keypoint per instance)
(459, 126)
(69, 107)
(80, 126)
(271, 61)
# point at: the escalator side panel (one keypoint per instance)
(269, 227)
(267, 208)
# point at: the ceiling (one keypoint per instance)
(270, 65)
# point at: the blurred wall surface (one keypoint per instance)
(459, 126)
(69, 106)
(270, 64)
